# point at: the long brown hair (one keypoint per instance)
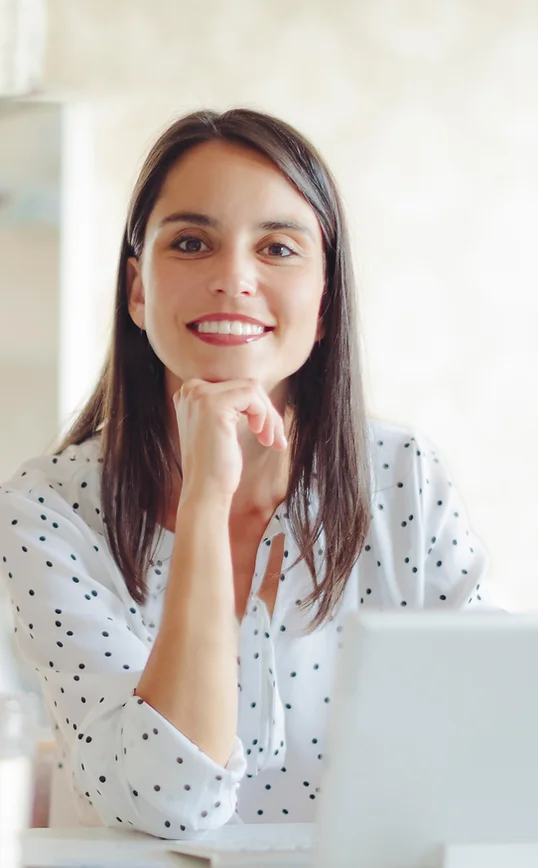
(328, 438)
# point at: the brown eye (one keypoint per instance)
(190, 245)
(281, 251)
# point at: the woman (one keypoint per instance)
(181, 567)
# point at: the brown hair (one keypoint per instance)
(328, 438)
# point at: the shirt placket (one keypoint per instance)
(261, 711)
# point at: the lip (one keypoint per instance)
(237, 317)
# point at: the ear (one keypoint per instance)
(135, 293)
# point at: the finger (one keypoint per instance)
(247, 401)
(248, 398)
(271, 432)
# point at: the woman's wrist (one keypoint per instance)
(197, 503)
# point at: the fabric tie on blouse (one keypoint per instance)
(261, 711)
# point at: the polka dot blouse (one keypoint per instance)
(119, 762)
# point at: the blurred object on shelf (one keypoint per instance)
(22, 46)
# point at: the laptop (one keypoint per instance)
(432, 741)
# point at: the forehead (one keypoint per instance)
(229, 181)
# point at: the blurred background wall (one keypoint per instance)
(427, 112)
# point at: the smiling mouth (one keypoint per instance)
(241, 335)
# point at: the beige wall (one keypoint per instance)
(29, 257)
(427, 111)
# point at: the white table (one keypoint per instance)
(56, 848)
(111, 848)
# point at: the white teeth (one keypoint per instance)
(227, 327)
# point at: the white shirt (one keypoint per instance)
(119, 761)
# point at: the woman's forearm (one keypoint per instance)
(191, 675)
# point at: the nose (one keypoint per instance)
(233, 274)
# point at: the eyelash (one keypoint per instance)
(176, 245)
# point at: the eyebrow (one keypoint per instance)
(205, 220)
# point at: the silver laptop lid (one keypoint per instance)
(433, 738)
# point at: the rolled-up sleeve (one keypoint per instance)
(85, 638)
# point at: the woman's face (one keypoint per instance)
(229, 236)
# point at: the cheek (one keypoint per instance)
(302, 302)
(167, 289)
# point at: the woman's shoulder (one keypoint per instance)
(390, 440)
(60, 467)
(398, 452)
(71, 477)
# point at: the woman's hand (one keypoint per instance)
(207, 416)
